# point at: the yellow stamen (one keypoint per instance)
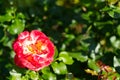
(35, 48)
(30, 49)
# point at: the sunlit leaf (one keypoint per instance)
(49, 76)
(15, 75)
(116, 61)
(92, 65)
(59, 68)
(20, 15)
(65, 58)
(115, 42)
(45, 70)
(60, 2)
(79, 56)
(92, 72)
(17, 27)
(6, 17)
(33, 75)
(110, 2)
(75, 1)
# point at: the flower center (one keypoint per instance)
(36, 48)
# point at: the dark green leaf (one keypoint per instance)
(1, 33)
(56, 53)
(118, 30)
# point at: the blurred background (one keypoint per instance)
(86, 31)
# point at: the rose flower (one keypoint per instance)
(34, 50)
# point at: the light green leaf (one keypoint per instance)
(59, 68)
(114, 12)
(111, 14)
(79, 56)
(115, 42)
(20, 15)
(65, 58)
(6, 17)
(49, 76)
(45, 70)
(14, 75)
(17, 27)
(116, 61)
(92, 65)
(33, 75)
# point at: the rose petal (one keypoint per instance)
(18, 62)
(35, 34)
(23, 35)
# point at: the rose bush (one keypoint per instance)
(33, 50)
(84, 32)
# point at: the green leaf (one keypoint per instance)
(20, 15)
(79, 56)
(6, 17)
(30, 75)
(65, 58)
(49, 76)
(115, 12)
(1, 33)
(86, 16)
(8, 42)
(70, 37)
(111, 14)
(116, 15)
(92, 65)
(14, 75)
(17, 27)
(111, 2)
(118, 30)
(59, 68)
(56, 53)
(33, 75)
(116, 61)
(45, 70)
(115, 42)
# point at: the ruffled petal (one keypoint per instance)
(36, 34)
(23, 35)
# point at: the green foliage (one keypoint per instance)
(83, 31)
